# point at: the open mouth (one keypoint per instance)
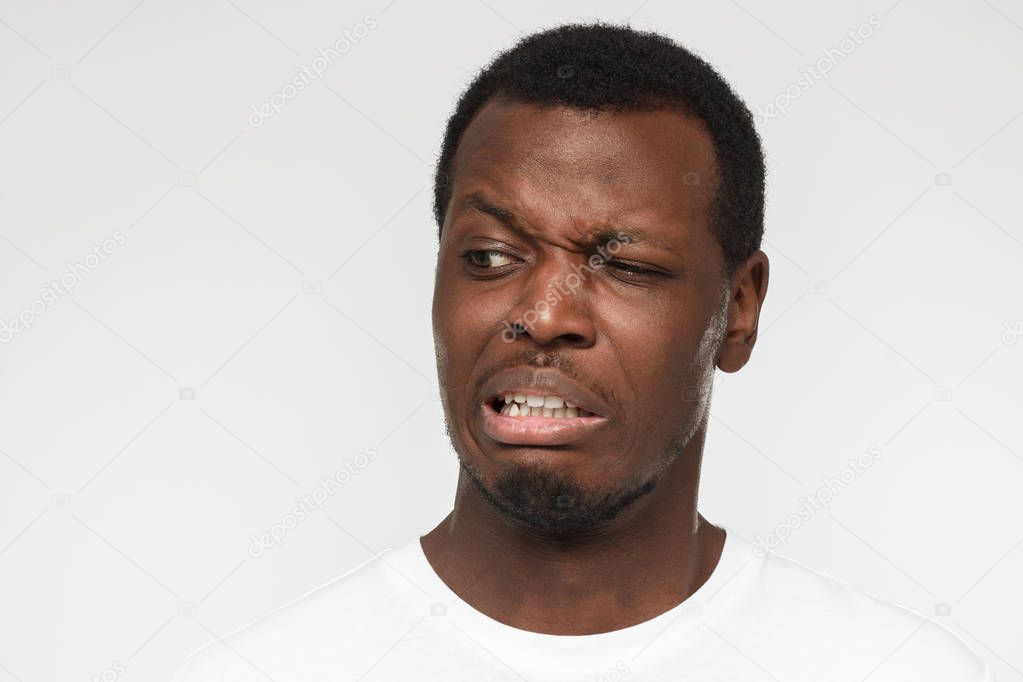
(535, 405)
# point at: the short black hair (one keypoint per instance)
(604, 67)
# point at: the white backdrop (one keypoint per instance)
(208, 308)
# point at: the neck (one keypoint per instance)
(647, 560)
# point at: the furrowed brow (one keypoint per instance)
(626, 234)
(600, 236)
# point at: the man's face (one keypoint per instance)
(635, 339)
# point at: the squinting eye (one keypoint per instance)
(487, 259)
(629, 268)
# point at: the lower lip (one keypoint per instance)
(537, 430)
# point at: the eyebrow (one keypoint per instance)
(478, 202)
(596, 237)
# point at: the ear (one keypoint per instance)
(748, 289)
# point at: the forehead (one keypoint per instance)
(559, 165)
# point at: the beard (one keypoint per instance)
(548, 501)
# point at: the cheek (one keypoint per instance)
(664, 361)
(467, 323)
(445, 337)
(467, 315)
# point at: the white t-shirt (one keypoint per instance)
(756, 618)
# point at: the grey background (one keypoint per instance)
(267, 316)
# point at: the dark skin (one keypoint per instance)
(647, 342)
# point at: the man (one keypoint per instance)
(600, 197)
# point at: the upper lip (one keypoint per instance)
(536, 381)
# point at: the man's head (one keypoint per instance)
(599, 197)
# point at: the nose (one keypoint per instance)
(554, 306)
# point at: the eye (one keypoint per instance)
(627, 271)
(487, 259)
(629, 268)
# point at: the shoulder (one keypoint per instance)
(841, 625)
(339, 623)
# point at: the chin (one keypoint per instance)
(550, 500)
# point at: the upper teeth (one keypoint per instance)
(530, 405)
